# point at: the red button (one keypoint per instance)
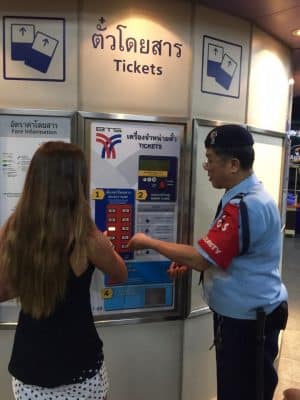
(162, 185)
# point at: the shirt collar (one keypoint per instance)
(243, 187)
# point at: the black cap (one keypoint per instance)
(225, 136)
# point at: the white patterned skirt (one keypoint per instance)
(95, 388)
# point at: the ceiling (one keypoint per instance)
(277, 17)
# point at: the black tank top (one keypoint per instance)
(63, 348)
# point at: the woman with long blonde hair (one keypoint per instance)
(49, 248)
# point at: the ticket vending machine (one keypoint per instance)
(135, 169)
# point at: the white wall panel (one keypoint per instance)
(129, 81)
(268, 164)
(199, 367)
(24, 86)
(144, 361)
(269, 83)
(211, 98)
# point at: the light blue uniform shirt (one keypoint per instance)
(251, 280)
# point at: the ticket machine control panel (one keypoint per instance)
(114, 213)
(119, 225)
(158, 177)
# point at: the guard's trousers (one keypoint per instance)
(235, 342)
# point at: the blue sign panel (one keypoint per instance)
(148, 285)
(34, 48)
(133, 297)
(221, 67)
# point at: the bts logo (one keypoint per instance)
(109, 143)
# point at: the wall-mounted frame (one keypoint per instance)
(21, 133)
(136, 166)
(271, 149)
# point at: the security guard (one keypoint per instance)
(240, 256)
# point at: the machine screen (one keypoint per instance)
(154, 164)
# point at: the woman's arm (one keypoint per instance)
(103, 256)
(180, 253)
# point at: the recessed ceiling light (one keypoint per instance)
(296, 32)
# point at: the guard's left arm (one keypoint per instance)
(181, 254)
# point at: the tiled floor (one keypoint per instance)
(289, 359)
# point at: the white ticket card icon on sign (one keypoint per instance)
(22, 36)
(42, 52)
(214, 60)
(22, 33)
(226, 73)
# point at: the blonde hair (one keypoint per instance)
(47, 233)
